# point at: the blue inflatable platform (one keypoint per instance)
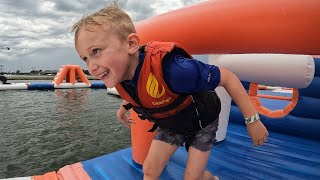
(282, 157)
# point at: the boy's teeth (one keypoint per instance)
(102, 75)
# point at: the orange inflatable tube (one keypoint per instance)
(140, 138)
(274, 97)
(254, 97)
(68, 172)
(233, 26)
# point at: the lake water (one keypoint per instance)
(42, 131)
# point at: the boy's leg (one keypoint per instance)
(199, 152)
(196, 165)
(158, 156)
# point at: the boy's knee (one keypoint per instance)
(150, 169)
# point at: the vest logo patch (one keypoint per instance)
(153, 87)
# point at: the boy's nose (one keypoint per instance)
(92, 67)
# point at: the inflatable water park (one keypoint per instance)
(273, 47)
(68, 77)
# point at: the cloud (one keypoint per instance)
(36, 30)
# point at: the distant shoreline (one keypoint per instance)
(38, 77)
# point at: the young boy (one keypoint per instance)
(165, 85)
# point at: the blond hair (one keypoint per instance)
(111, 17)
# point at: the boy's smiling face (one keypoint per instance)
(106, 56)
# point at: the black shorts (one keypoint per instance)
(203, 140)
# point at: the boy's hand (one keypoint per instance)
(124, 118)
(258, 133)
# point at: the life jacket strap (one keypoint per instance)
(143, 116)
(127, 106)
(154, 127)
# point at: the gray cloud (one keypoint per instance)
(38, 31)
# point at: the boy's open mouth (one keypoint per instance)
(104, 74)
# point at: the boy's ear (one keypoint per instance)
(134, 43)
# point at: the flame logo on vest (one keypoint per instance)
(153, 87)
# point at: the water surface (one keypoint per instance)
(42, 131)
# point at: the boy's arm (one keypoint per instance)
(122, 115)
(233, 86)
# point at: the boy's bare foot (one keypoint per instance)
(208, 176)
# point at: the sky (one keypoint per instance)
(38, 31)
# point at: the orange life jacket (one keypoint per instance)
(183, 114)
(154, 96)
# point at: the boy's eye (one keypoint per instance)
(95, 51)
